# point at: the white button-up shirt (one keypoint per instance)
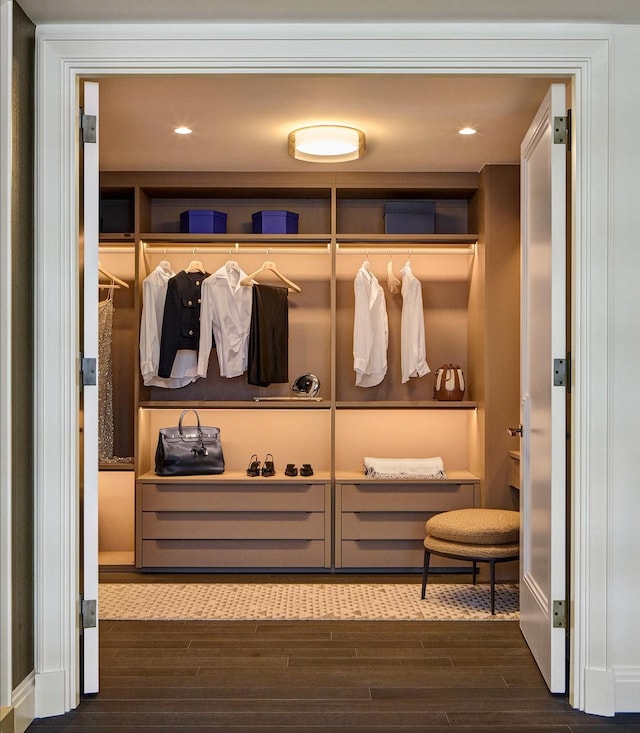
(370, 329)
(184, 370)
(225, 316)
(413, 354)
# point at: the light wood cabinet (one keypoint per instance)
(337, 519)
(381, 523)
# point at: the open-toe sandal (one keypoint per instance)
(306, 470)
(268, 469)
(254, 466)
(291, 470)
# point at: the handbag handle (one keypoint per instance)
(183, 413)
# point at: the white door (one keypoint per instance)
(543, 408)
(89, 402)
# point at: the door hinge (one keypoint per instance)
(559, 615)
(88, 371)
(89, 614)
(562, 130)
(559, 372)
(88, 127)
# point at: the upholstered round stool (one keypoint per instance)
(478, 535)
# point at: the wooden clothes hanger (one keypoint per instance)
(269, 266)
(392, 281)
(195, 266)
(106, 274)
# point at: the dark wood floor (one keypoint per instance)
(308, 676)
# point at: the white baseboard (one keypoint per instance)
(599, 692)
(627, 689)
(23, 700)
(50, 694)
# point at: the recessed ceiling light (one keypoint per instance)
(467, 131)
(183, 130)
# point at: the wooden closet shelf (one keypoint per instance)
(284, 404)
(453, 477)
(226, 239)
(381, 240)
(236, 477)
(402, 405)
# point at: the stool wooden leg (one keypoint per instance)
(492, 564)
(425, 572)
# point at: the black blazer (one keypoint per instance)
(181, 320)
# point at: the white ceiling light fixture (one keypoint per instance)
(182, 130)
(467, 131)
(327, 144)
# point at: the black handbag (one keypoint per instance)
(189, 450)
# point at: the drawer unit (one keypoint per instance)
(381, 524)
(233, 554)
(221, 524)
(233, 525)
(368, 497)
(218, 496)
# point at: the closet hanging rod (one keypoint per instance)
(234, 249)
(414, 249)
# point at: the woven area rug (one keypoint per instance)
(300, 601)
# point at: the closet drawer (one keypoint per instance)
(233, 554)
(215, 496)
(406, 497)
(388, 554)
(233, 525)
(384, 526)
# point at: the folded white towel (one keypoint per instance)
(430, 468)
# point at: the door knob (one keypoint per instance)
(515, 432)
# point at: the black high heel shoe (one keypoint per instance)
(291, 470)
(254, 466)
(306, 470)
(268, 469)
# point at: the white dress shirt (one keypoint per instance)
(370, 329)
(185, 366)
(413, 354)
(225, 316)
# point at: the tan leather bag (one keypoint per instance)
(449, 383)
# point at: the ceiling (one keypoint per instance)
(287, 11)
(241, 122)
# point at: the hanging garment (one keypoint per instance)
(105, 379)
(225, 318)
(370, 329)
(181, 318)
(268, 336)
(184, 370)
(413, 354)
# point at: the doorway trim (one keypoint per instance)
(66, 53)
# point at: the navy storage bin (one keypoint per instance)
(409, 217)
(275, 222)
(203, 221)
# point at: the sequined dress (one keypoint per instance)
(105, 379)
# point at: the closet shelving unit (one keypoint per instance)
(338, 519)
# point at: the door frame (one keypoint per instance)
(66, 53)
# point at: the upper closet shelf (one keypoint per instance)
(275, 244)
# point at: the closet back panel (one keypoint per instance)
(445, 294)
(402, 434)
(291, 436)
(309, 326)
(314, 214)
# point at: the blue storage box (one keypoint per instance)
(203, 221)
(275, 222)
(410, 217)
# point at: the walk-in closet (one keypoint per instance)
(337, 520)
